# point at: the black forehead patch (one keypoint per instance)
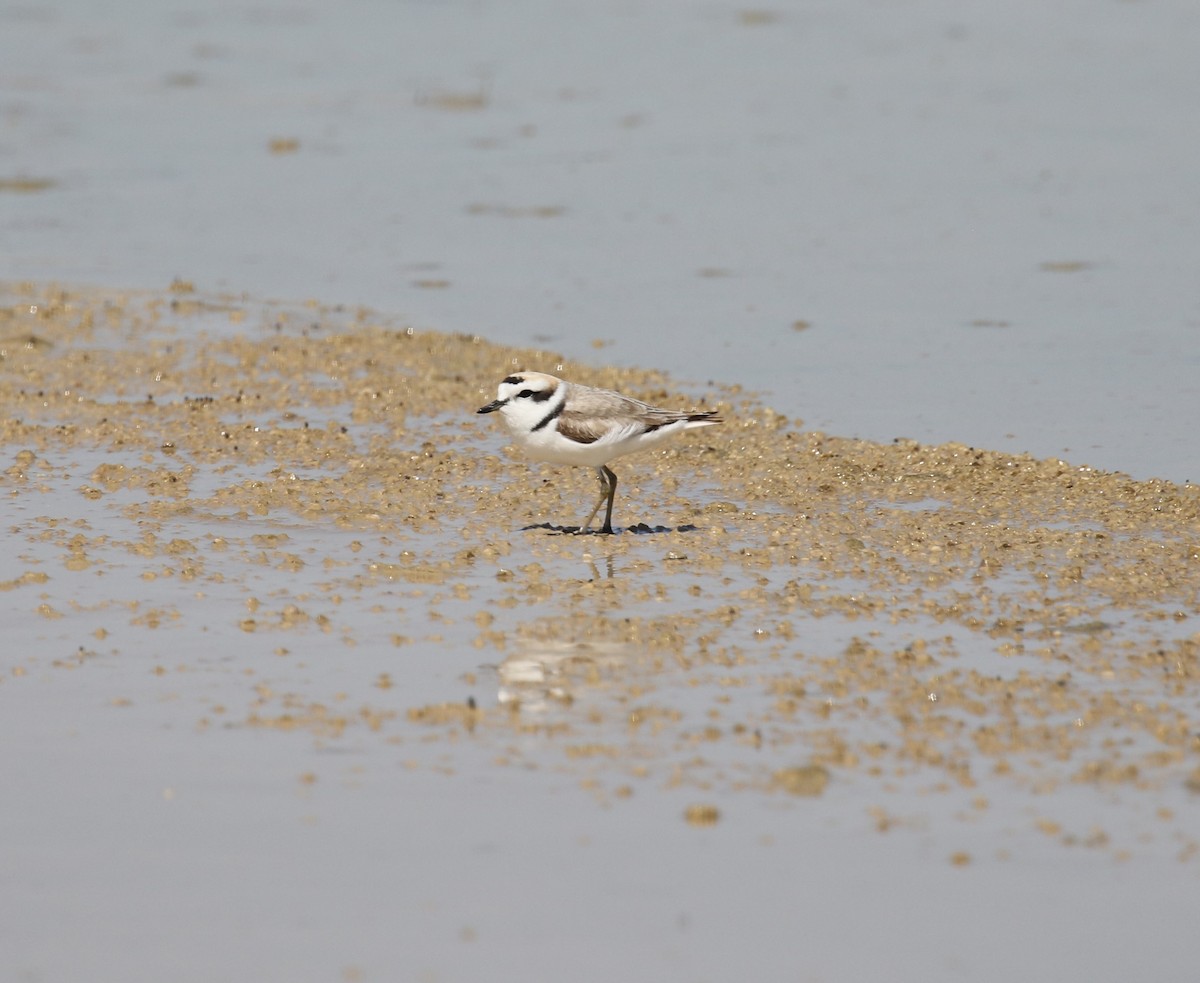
(513, 380)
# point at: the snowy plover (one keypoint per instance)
(566, 423)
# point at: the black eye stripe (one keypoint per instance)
(537, 395)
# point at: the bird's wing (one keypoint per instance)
(582, 429)
(597, 413)
(604, 403)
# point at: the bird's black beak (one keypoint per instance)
(491, 407)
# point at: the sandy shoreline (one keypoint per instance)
(231, 519)
(1077, 588)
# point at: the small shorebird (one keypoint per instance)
(565, 423)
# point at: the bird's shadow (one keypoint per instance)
(641, 529)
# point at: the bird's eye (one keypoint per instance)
(524, 394)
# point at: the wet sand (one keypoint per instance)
(230, 519)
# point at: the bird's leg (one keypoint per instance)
(608, 489)
(612, 493)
